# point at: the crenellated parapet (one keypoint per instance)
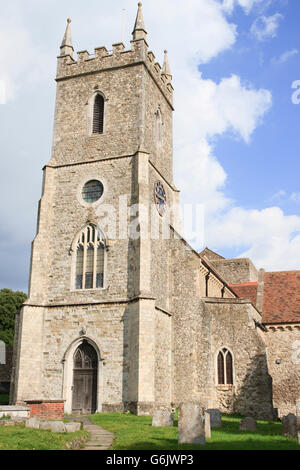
(117, 57)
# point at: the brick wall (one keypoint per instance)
(46, 410)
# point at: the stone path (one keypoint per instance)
(100, 439)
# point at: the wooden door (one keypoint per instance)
(85, 379)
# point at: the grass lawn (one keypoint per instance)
(21, 438)
(4, 399)
(136, 433)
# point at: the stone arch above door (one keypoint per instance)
(68, 383)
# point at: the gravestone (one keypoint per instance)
(248, 424)
(32, 423)
(57, 426)
(73, 427)
(163, 418)
(45, 425)
(191, 423)
(207, 426)
(215, 418)
(2, 353)
(289, 425)
(298, 415)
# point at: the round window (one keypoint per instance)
(92, 191)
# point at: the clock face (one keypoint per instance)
(160, 198)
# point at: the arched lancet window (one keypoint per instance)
(85, 357)
(90, 249)
(225, 367)
(98, 114)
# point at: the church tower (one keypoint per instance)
(95, 332)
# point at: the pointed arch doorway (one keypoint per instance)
(85, 378)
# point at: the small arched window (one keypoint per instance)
(98, 114)
(90, 250)
(225, 367)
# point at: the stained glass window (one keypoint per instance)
(90, 259)
(225, 367)
(92, 191)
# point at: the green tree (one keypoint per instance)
(10, 305)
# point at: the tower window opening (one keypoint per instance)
(98, 116)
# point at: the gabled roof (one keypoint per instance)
(281, 292)
(281, 302)
(210, 254)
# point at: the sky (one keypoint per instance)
(236, 119)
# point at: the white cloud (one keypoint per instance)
(265, 27)
(285, 56)
(279, 195)
(272, 237)
(207, 109)
(241, 107)
(229, 5)
(204, 29)
(295, 197)
(21, 60)
(200, 176)
(277, 253)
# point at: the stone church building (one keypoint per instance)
(116, 321)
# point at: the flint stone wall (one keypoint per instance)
(283, 343)
(236, 271)
(233, 326)
(204, 325)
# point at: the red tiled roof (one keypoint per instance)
(246, 290)
(281, 302)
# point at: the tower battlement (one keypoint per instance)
(104, 59)
(117, 57)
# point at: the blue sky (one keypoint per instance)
(272, 157)
(236, 146)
